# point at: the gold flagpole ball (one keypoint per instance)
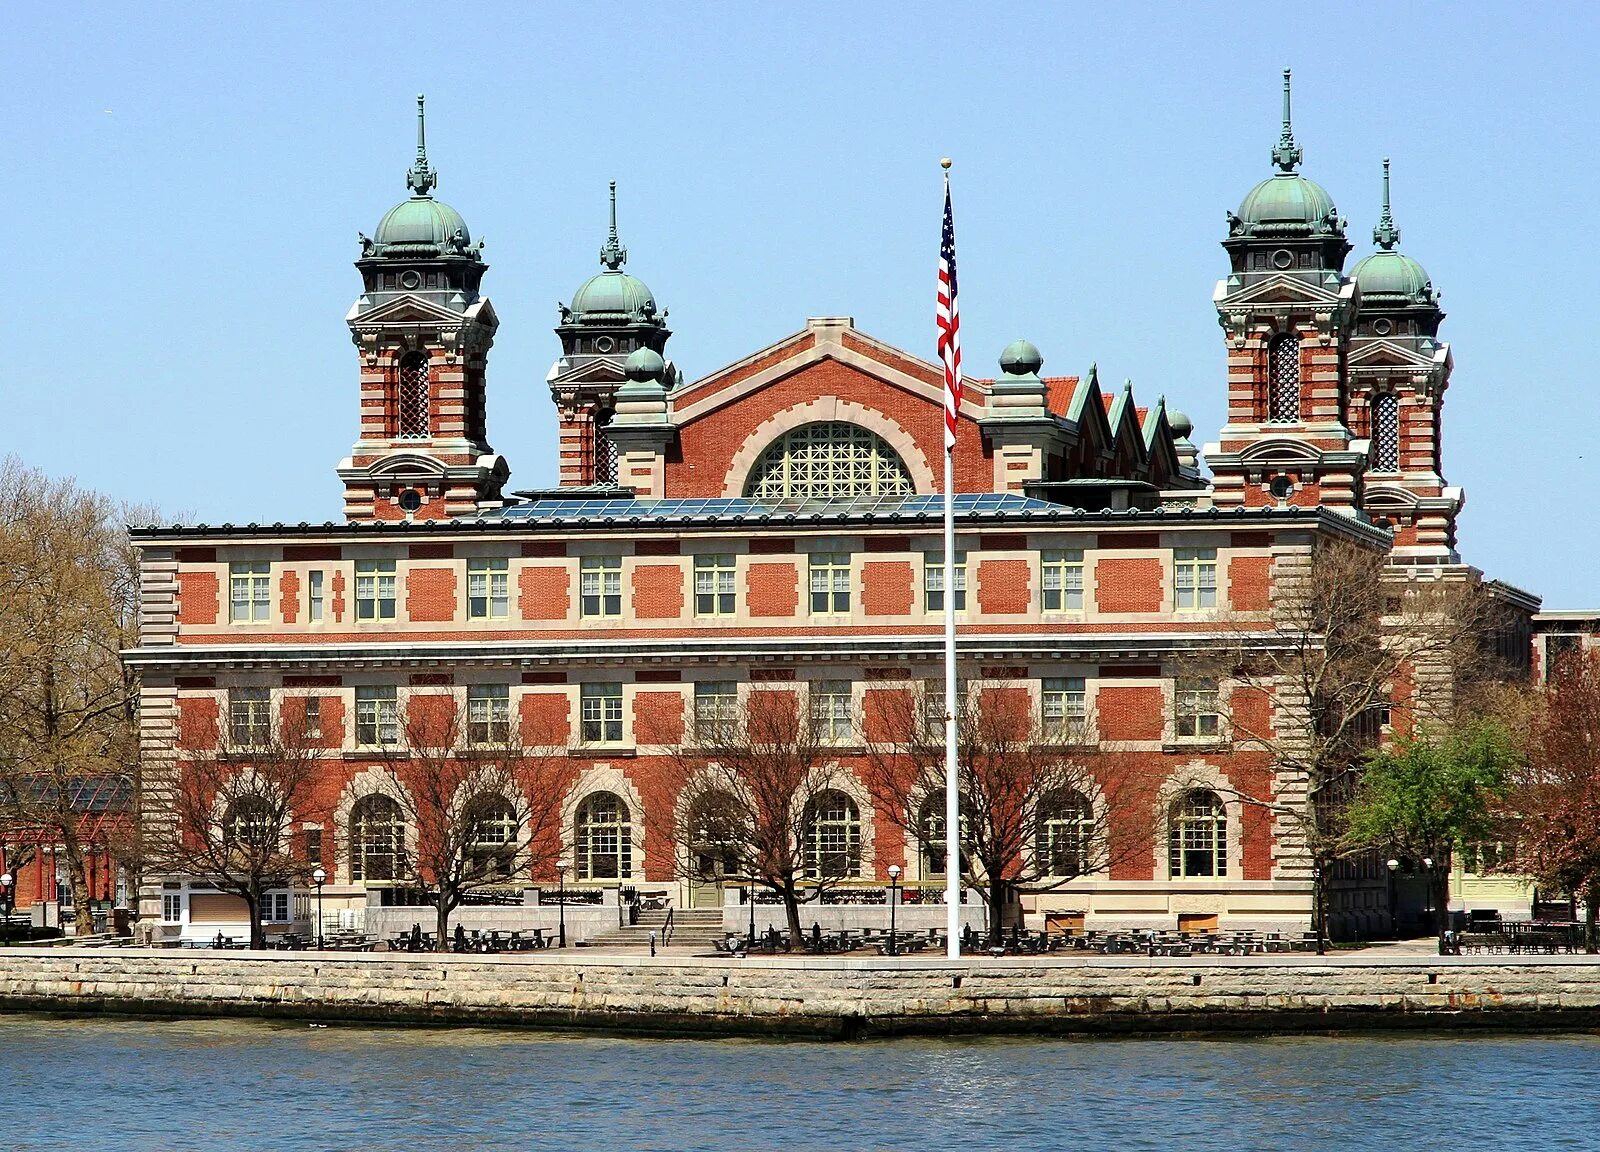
(945, 163)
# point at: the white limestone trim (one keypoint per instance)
(604, 777)
(822, 410)
(370, 781)
(1192, 775)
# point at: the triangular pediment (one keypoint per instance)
(1377, 353)
(420, 310)
(1284, 290)
(821, 341)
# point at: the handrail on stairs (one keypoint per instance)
(666, 928)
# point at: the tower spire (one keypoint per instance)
(421, 179)
(613, 255)
(1386, 235)
(1287, 154)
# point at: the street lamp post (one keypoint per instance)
(1394, 915)
(894, 881)
(750, 941)
(1435, 919)
(319, 878)
(1316, 907)
(6, 892)
(561, 900)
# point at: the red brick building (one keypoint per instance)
(775, 526)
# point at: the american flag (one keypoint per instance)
(948, 316)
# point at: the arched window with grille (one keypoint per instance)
(1283, 379)
(413, 399)
(833, 837)
(1197, 836)
(377, 840)
(249, 826)
(828, 462)
(1064, 834)
(932, 842)
(1385, 453)
(493, 838)
(604, 838)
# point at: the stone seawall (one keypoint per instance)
(824, 997)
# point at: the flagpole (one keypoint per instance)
(952, 786)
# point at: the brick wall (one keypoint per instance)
(199, 601)
(545, 592)
(431, 594)
(1250, 583)
(1129, 584)
(546, 719)
(1130, 712)
(772, 589)
(886, 587)
(657, 591)
(1004, 586)
(657, 717)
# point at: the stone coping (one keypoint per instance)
(820, 997)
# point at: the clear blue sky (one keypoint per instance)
(184, 185)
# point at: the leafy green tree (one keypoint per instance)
(1431, 794)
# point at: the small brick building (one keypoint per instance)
(774, 526)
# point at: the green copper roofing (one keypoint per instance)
(421, 227)
(1388, 276)
(1021, 358)
(1287, 154)
(1286, 204)
(612, 296)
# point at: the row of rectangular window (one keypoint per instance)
(1063, 710)
(715, 591)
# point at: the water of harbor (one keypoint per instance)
(147, 1085)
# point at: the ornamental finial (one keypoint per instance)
(1386, 235)
(1287, 154)
(421, 179)
(613, 255)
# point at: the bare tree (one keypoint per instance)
(1550, 819)
(68, 606)
(244, 783)
(1041, 804)
(759, 784)
(485, 810)
(1351, 646)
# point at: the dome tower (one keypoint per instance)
(612, 316)
(1399, 370)
(424, 334)
(1286, 311)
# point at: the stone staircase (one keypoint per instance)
(693, 929)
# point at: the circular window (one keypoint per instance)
(410, 500)
(1382, 327)
(1283, 258)
(1281, 486)
(828, 462)
(410, 278)
(604, 344)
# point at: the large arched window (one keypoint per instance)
(377, 840)
(1283, 379)
(492, 838)
(604, 838)
(833, 837)
(1064, 834)
(933, 844)
(830, 461)
(1197, 837)
(413, 397)
(248, 825)
(717, 831)
(1385, 454)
